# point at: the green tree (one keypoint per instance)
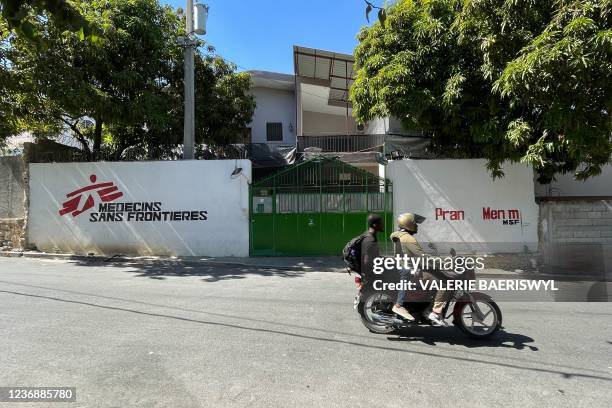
(20, 16)
(26, 18)
(518, 80)
(7, 117)
(123, 92)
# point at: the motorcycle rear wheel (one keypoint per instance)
(365, 308)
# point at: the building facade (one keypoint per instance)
(311, 111)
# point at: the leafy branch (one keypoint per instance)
(21, 15)
(382, 12)
(517, 81)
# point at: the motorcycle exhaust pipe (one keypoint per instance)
(387, 320)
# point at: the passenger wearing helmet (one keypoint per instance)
(405, 243)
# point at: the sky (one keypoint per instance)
(260, 34)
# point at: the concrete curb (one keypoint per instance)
(293, 268)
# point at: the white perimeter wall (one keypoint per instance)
(567, 186)
(421, 186)
(178, 186)
(273, 105)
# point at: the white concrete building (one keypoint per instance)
(311, 111)
(275, 115)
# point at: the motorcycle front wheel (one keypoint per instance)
(374, 304)
(480, 319)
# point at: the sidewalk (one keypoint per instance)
(322, 264)
(496, 266)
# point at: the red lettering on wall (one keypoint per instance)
(449, 215)
(489, 214)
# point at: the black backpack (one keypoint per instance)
(351, 254)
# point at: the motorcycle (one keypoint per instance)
(474, 313)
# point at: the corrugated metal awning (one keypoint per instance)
(330, 69)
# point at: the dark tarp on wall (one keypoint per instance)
(261, 155)
(264, 156)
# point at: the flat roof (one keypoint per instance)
(275, 80)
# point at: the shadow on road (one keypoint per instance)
(208, 273)
(565, 372)
(433, 336)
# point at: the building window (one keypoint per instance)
(274, 132)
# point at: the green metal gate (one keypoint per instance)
(315, 208)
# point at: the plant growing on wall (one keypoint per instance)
(521, 80)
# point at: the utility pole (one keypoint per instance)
(189, 126)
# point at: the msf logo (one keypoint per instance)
(508, 217)
(106, 192)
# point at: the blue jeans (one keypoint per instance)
(401, 295)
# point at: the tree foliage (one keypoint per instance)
(7, 117)
(122, 94)
(518, 80)
(20, 16)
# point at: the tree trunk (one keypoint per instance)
(97, 139)
(86, 149)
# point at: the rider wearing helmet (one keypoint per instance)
(405, 243)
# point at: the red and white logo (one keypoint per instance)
(106, 192)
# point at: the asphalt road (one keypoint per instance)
(167, 336)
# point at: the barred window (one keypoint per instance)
(274, 132)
